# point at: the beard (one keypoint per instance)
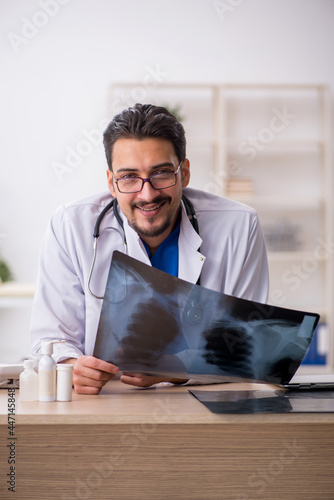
(155, 230)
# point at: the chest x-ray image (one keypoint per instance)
(154, 323)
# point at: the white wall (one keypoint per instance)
(56, 78)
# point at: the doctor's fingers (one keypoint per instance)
(141, 380)
(85, 385)
(94, 363)
(92, 376)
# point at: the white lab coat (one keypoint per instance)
(232, 260)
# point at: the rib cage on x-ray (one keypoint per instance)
(152, 322)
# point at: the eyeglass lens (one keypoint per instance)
(134, 184)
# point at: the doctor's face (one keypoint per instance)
(151, 212)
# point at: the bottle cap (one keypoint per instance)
(47, 346)
(65, 367)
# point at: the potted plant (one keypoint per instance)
(5, 272)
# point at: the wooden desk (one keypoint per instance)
(161, 443)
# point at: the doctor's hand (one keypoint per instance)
(141, 380)
(90, 374)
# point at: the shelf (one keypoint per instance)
(13, 294)
(202, 141)
(283, 203)
(278, 256)
(13, 289)
(277, 146)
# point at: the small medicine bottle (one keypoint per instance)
(28, 382)
(47, 372)
(64, 382)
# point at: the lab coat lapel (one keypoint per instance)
(136, 248)
(190, 259)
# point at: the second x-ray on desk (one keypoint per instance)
(154, 323)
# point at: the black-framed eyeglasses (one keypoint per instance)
(163, 179)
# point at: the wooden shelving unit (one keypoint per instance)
(278, 137)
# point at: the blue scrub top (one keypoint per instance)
(166, 257)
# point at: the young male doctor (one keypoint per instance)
(148, 173)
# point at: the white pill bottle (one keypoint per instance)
(64, 382)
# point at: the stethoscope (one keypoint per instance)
(191, 214)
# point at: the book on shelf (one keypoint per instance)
(239, 187)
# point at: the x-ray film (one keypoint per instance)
(157, 324)
(245, 402)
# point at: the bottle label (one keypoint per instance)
(47, 383)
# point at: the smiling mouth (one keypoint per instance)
(156, 207)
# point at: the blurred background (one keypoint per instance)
(252, 81)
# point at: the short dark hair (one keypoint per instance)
(143, 121)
